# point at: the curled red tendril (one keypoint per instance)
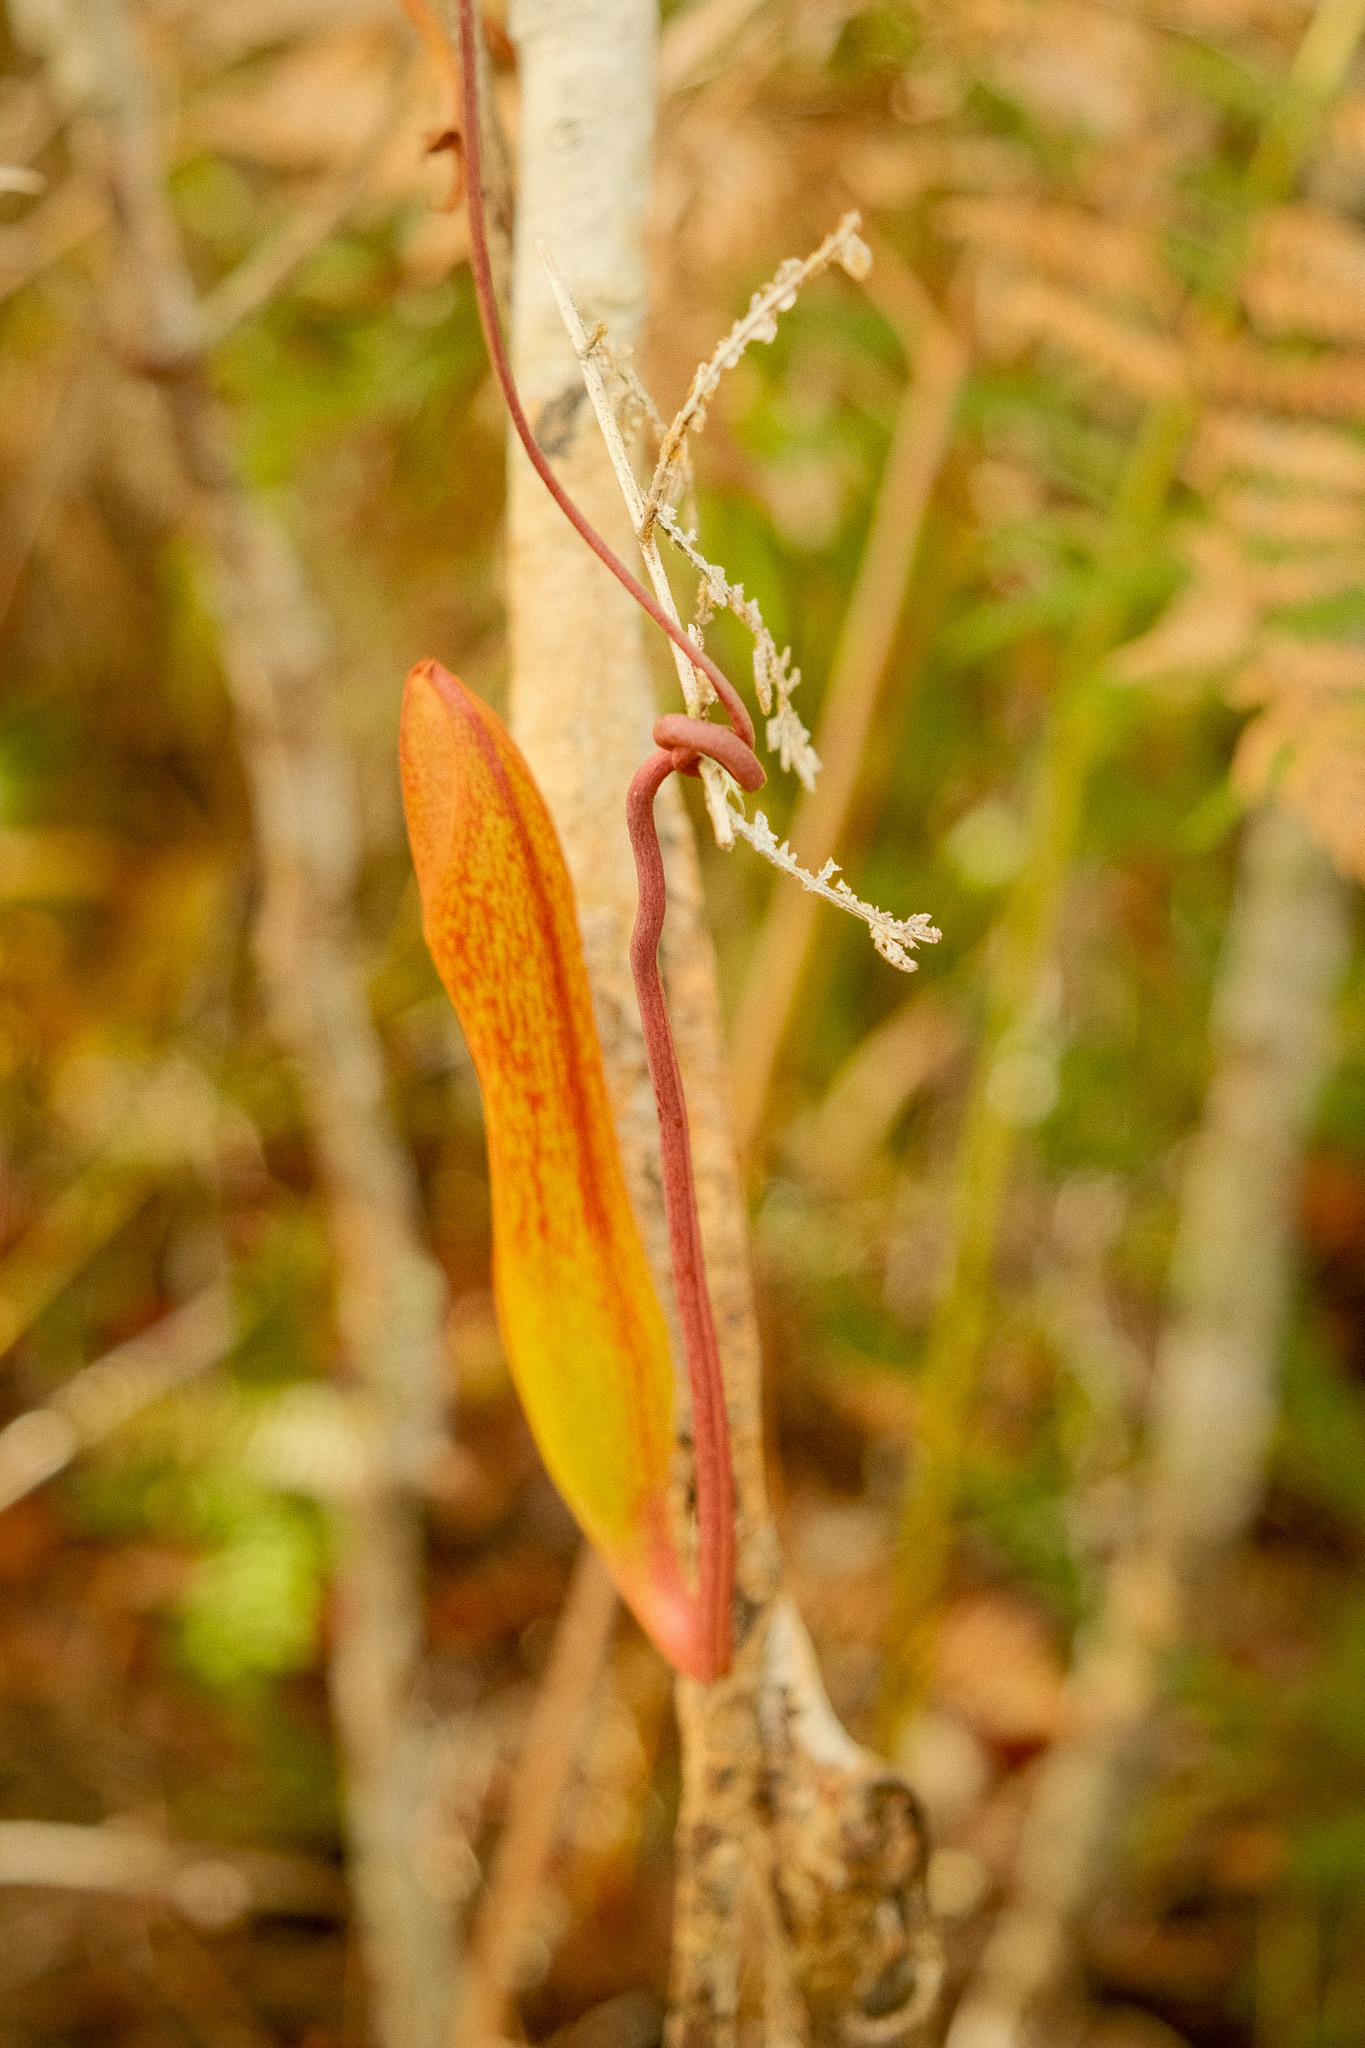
(682, 742)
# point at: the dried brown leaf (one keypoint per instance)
(1015, 312)
(1065, 243)
(1070, 66)
(1246, 444)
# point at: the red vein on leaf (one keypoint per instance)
(681, 742)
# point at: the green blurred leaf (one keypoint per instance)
(252, 1606)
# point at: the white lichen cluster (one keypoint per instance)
(844, 247)
(774, 677)
(632, 402)
(628, 406)
(892, 936)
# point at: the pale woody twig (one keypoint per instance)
(697, 692)
(787, 736)
(892, 936)
(548, 1753)
(40, 1443)
(773, 675)
(866, 638)
(212, 1887)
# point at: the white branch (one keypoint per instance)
(843, 247)
(212, 1887)
(39, 1444)
(892, 936)
(773, 675)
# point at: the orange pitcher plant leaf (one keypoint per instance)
(583, 1330)
(584, 1334)
(582, 1326)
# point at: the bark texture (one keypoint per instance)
(582, 705)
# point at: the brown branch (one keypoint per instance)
(541, 1776)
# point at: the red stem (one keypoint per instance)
(681, 741)
(710, 1429)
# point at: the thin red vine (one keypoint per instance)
(681, 742)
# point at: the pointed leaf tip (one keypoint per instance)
(584, 1334)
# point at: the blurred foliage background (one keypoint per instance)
(1131, 627)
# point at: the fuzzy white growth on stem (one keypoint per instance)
(844, 247)
(893, 937)
(697, 691)
(773, 675)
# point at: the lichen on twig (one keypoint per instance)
(892, 936)
(844, 247)
(774, 678)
